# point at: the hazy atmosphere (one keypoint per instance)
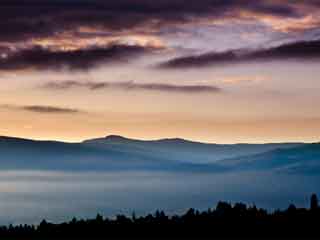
(29, 197)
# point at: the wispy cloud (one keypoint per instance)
(291, 51)
(131, 85)
(80, 59)
(42, 109)
(244, 79)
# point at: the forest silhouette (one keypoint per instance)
(224, 222)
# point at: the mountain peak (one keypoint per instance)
(173, 140)
(115, 138)
(121, 138)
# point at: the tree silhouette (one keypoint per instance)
(226, 221)
(314, 203)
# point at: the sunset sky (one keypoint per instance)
(207, 70)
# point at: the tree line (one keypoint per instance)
(224, 221)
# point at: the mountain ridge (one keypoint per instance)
(113, 137)
(119, 153)
(120, 137)
(305, 158)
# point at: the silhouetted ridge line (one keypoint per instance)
(225, 221)
(182, 140)
(119, 138)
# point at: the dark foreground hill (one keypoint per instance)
(226, 221)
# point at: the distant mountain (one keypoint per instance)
(119, 153)
(17, 153)
(24, 154)
(302, 159)
(177, 149)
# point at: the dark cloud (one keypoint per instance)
(82, 59)
(24, 19)
(308, 50)
(42, 109)
(134, 86)
(74, 20)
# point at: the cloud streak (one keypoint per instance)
(41, 58)
(42, 109)
(293, 51)
(133, 86)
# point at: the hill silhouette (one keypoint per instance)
(225, 221)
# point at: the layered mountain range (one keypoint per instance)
(119, 153)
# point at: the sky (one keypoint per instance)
(206, 70)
